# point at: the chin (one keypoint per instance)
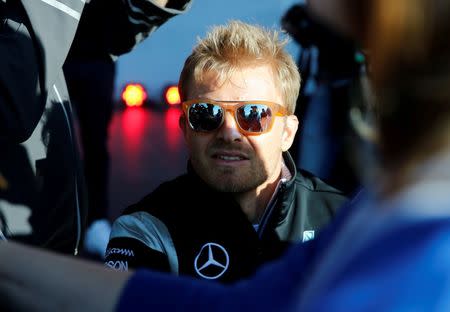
(233, 185)
(230, 188)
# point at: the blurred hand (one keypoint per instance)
(161, 3)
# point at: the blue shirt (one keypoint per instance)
(377, 256)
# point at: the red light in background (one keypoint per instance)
(131, 138)
(173, 131)
(172, 95)
(134, 95)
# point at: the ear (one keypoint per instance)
(289, 132)
(182, 123)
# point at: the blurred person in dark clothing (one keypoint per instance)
(331, 72)
(45, 201)
(90, 74)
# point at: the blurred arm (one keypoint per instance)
(135, 20)
(30, 277)
(161, 3)
(174, 4)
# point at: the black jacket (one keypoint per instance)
(186, 227)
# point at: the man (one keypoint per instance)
(386, 254)
(44, 203)
(242, 201)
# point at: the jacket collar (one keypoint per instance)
(286, 191)
(290, 164)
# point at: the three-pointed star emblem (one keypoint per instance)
(212, 261)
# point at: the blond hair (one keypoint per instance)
(235, 45)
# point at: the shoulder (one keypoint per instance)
(309, 182)
(141, 240)
(310, 188)
(164, 199)
(143, 227)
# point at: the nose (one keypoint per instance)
(229, 131)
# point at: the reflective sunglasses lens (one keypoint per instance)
(254, 117)
(205, 117)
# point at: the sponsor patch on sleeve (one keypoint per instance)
(124, 253)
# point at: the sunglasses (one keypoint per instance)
(252, 117)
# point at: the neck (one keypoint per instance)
(253, 203)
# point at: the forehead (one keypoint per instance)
(248, 83)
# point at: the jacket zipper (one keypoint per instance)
(268, 213)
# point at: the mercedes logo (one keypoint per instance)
(212, 261)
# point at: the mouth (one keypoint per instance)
(227, 158)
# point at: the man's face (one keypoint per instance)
(226, 159)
